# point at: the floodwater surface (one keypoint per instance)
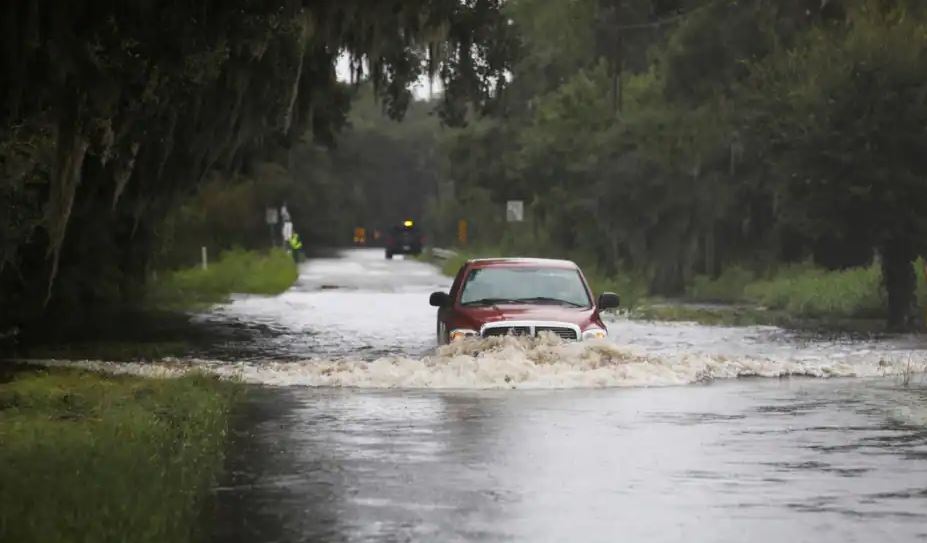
(359, 429)
(528, 441)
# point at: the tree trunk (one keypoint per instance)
(900, 282)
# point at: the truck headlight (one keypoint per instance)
(595, 333)
(461, 333)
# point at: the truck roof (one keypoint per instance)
(521, 262)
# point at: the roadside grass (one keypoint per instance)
(115, 350)
(748, 315)
(730, 315)
(94, 458)
(810, 292)
(160, 326)
(450, 266)
(235, 271)
(727, 288)
(796, 296)
(805, 291)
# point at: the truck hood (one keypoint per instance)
(529, 312)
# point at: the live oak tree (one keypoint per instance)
(112, 112)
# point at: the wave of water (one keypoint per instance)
(531, 363)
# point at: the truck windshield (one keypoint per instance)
(525, 285)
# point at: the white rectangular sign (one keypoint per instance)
(515, 211)
(271, 216)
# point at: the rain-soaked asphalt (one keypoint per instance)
(362, 432)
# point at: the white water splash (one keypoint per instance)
(531, 363)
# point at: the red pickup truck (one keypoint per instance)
(520, 296)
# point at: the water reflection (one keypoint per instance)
(716, 463)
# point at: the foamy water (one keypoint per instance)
(537, 363)
(361, 321)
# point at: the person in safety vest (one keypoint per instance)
(296, 246)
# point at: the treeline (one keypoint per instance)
(113, 113)
(664, 139)
(675, 139)
(379, 172)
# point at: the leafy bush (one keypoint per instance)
(728, 287)
(237, 271)
(91, 458)
(812, 292)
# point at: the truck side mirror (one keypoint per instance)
(440, 299)
(608, 300)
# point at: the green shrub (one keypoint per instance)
(728, 287)
(235, 271)
(812, 292)
(91, 458)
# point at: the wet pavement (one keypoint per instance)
(362, 432)
(360, 305)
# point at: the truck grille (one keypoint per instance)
(521, 328)
(564, 333)
(507, 330)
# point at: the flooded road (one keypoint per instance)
(437, 446)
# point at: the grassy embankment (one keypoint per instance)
(800, 295)
(235, 271)
(795, 296)
(159, 327)
(93, 458)
(86, 457)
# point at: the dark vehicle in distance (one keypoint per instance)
(405, 239)
(522, 297)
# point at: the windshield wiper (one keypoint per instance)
(492, 301)
(547, 300)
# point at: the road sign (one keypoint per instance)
(462, 231)
(360, 235)
(271, 216)
(515, 211)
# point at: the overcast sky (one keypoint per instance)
(419, 89)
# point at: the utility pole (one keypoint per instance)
(611, 45)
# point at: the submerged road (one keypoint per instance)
(360, 431)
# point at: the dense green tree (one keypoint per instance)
(112, 112)
(676, 138)
(842, 115)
